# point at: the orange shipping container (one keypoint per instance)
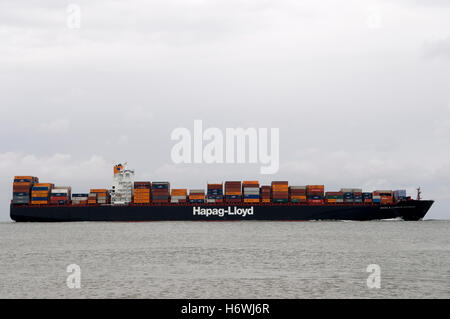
(98, 190)
(40, 192)
(23, 177)
(28, 184)
(179, 192)
(280, 187)
(233, 193)
(79, 202)
(39, 202)
(196, 196)
(141, 195)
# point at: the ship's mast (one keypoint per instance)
(419, 192)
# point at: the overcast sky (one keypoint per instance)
(360, 90)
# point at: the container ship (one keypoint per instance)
(129, 200)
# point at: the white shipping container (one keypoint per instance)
(178, 197)
(197, 191)
(60, 190)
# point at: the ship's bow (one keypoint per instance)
(416, 209)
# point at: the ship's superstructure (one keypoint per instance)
(122, 186)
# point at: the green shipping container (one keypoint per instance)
(280, 200)
(335, 197)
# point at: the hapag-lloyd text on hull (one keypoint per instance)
(200, 211)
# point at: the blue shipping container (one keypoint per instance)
(40, 188)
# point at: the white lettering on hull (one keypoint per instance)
(230, 211)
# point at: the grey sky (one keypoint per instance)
(359, 90)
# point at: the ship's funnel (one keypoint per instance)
(118, 168)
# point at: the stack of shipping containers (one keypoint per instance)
(348, 195)
(315, 194)
(250, 190)
(80, 198)
(103, 196)
(40, 193)
(399, 194)
(298, 194)
(367, 197)
(233, 192)
(22, 188)
(376, 198)
(98, 196)
(214, 193)
(178, 195)
(265, 194)
(334, 197)
(60, 195)
(92, 198)
(26, 189)
(385, 196)
(197, 196)
(280, 192)
(160, 192)
(357, 195)
(141, 192)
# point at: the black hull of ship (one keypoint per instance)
(406, 210)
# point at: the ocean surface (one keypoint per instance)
(226, 259)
